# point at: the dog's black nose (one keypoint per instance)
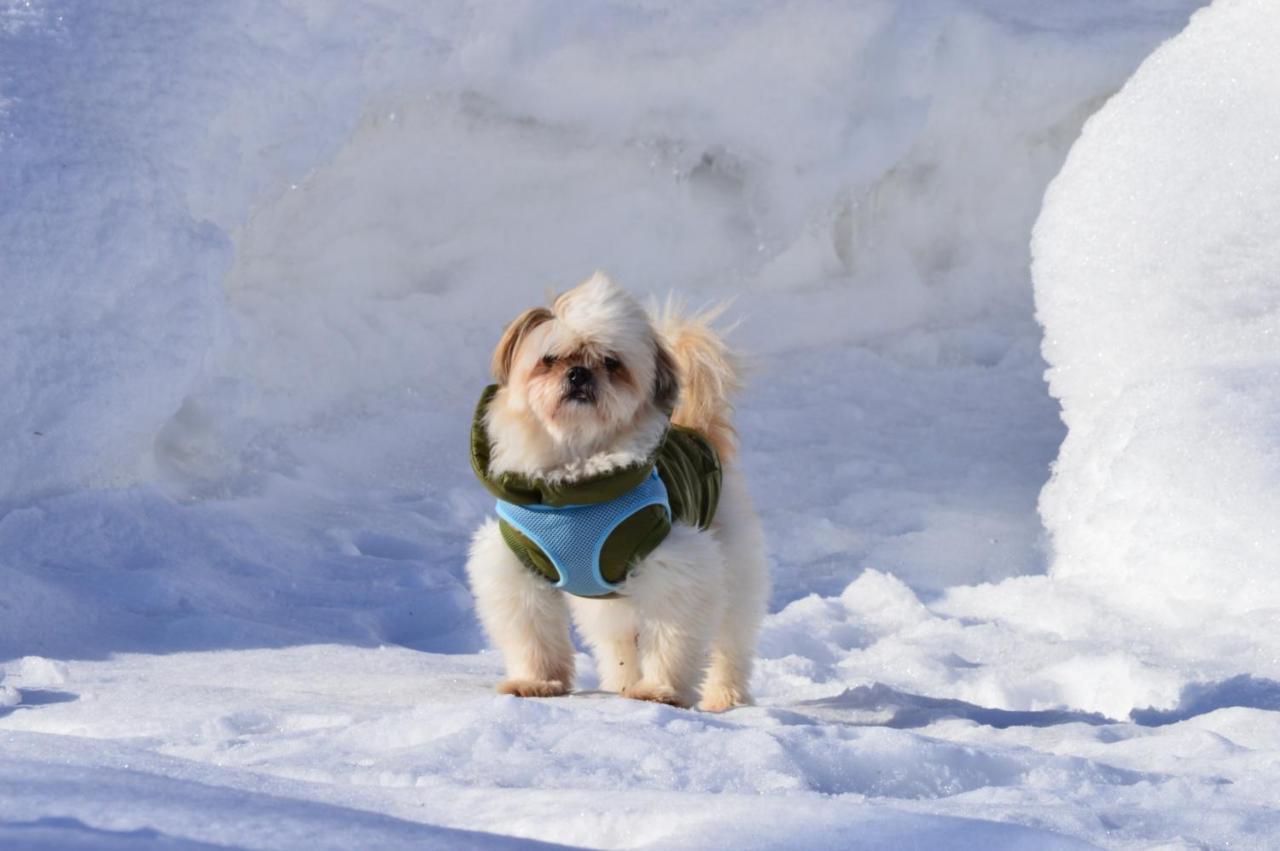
(579, 376)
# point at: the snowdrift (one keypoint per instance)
(204, 227)
(1157, 279)
(254, 255)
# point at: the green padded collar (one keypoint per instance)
(525, 490)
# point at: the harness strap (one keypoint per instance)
(573, 536)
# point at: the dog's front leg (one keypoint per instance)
(609, 627)
(675, 592)
(525, 617)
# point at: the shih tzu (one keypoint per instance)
(608, 443)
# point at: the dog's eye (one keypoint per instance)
(612, 364)
(549, 360)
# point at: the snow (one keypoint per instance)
(1155, 267)
(9, 696)
(254, 257)
(282, 735)
(428, 742)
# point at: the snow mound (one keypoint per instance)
(39, 671)
(1157, 279)
(9, 696)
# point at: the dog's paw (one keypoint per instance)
(534, 688)
(720, 698)
(655, 693)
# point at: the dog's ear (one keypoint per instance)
(511, 339)
(666, 383)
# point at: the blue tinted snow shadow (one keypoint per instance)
(1201, 698)
(887, 707)
(135, 570)
(33, 697)
(68, 833)
(931, 473)
(60, 799)
(880, 705)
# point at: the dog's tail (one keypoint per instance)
(709, 372)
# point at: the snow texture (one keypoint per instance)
(255, 253)
(1156, 265)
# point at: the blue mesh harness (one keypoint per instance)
(572, 536)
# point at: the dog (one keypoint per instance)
(595, 397)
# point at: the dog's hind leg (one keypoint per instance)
(746, 590)
(677, 599)
(524, 615)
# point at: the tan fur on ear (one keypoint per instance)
(511, 339)
(666, 381)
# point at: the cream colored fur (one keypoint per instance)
(710, 373)
(684, 626)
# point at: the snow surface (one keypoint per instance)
(255, 253)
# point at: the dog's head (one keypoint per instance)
(585, 372)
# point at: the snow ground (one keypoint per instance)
(254, 255)
(334, 745)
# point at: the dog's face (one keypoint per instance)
(585, 371)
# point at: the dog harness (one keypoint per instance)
(584, 536)
(573, 536)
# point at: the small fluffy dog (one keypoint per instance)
(589, 393)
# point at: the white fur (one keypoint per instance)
(746, 590)
(525, 617)
(686, 620)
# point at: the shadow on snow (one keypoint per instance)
(880, 705)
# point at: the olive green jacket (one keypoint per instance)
(686, 462)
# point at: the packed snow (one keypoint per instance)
(255, 253)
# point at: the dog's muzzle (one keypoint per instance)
(580, 385)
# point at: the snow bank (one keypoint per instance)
(134, 139)
(254, 255)
(1157, 279)
(219, 220)
(864, 171)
